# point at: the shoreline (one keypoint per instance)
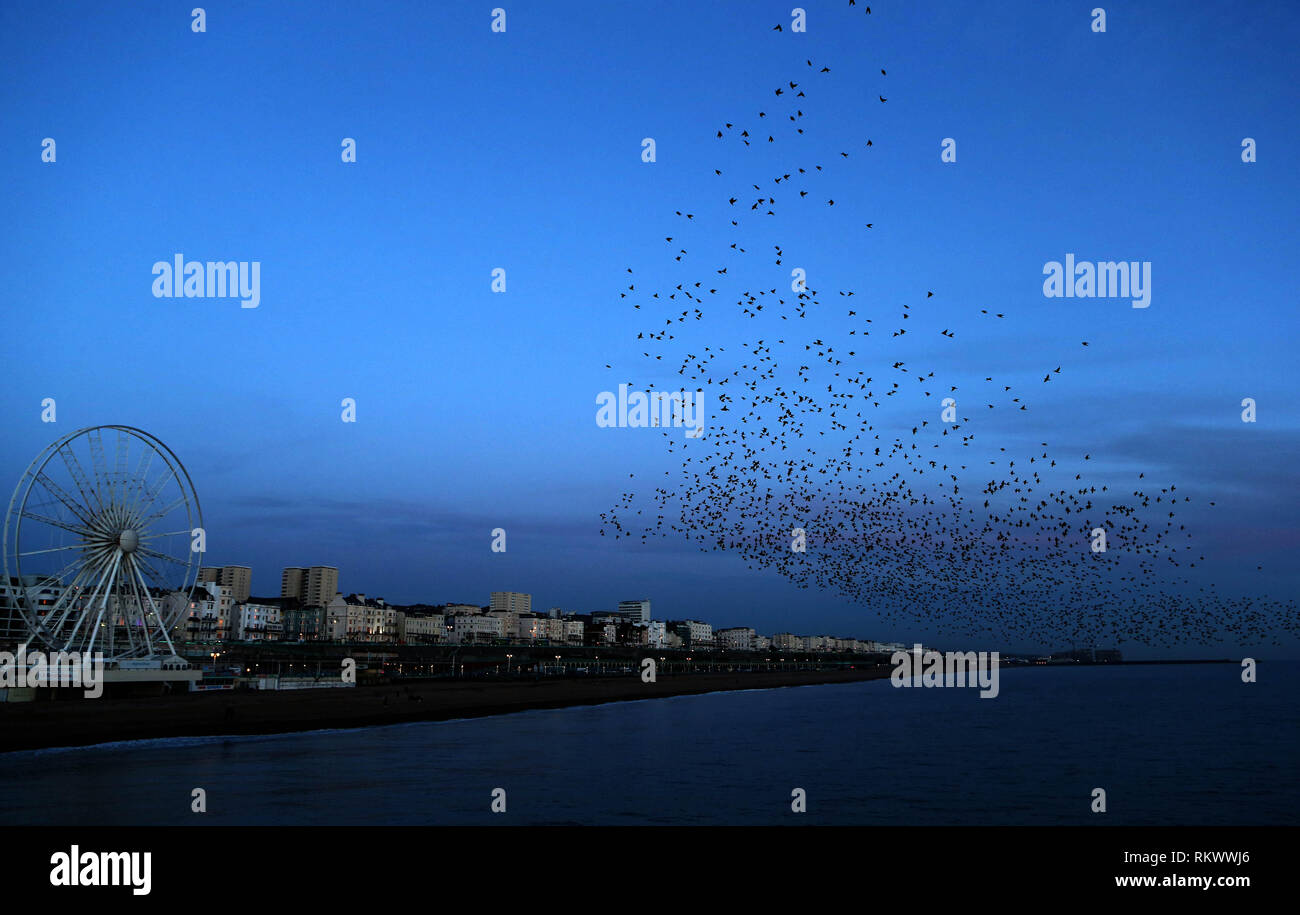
(88, 722)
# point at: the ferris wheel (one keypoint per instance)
(98, 544)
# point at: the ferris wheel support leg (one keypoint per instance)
(100, 570)
(93, 633)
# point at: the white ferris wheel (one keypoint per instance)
(98, 544)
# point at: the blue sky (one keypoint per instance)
(522, 150)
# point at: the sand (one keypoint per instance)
(82, 722)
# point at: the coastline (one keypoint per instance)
(81, 723)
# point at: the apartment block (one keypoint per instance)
(236, 579)
(635, 611)
(511, 602)
(314, 586)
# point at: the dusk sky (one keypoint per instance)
(522, 150)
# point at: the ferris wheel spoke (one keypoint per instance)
(55, 522)
(100, 596)
(53, 618)
(110, 592)
(132, 648)
(56, 578)
(84, 575)
(70, 461)
(142, 563)
(54, 549)
(95, 575)
(141, 477)
(164, 540)
(81, 511)
(92, 631)
(176, 503)
(119, 468)
(156, 490)
(130, 630)
(162, 626)
(163, 556)
(148, 537)
(96, 440)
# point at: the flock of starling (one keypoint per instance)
(902, 517)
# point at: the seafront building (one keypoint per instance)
(304, 624)
(206, 616)
(738, 638)
(357, 618)
(468, 630)
(421, 630)
(252, 622)
(695, 635)
(310, 609)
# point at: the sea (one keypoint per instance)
(1168, 745)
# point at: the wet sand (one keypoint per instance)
(34, 725)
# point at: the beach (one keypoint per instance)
(84, 722)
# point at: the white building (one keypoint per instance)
(357, 618)
(574, 631)
(336, 619)
(529, 628)
(209, 614)
(737, 638)
(256, 622)
(468, 629)
(370, 620)
(634, 611)
(417, 629)
(510, 621)
(656, 635)
(557, 631)
(695, 634)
